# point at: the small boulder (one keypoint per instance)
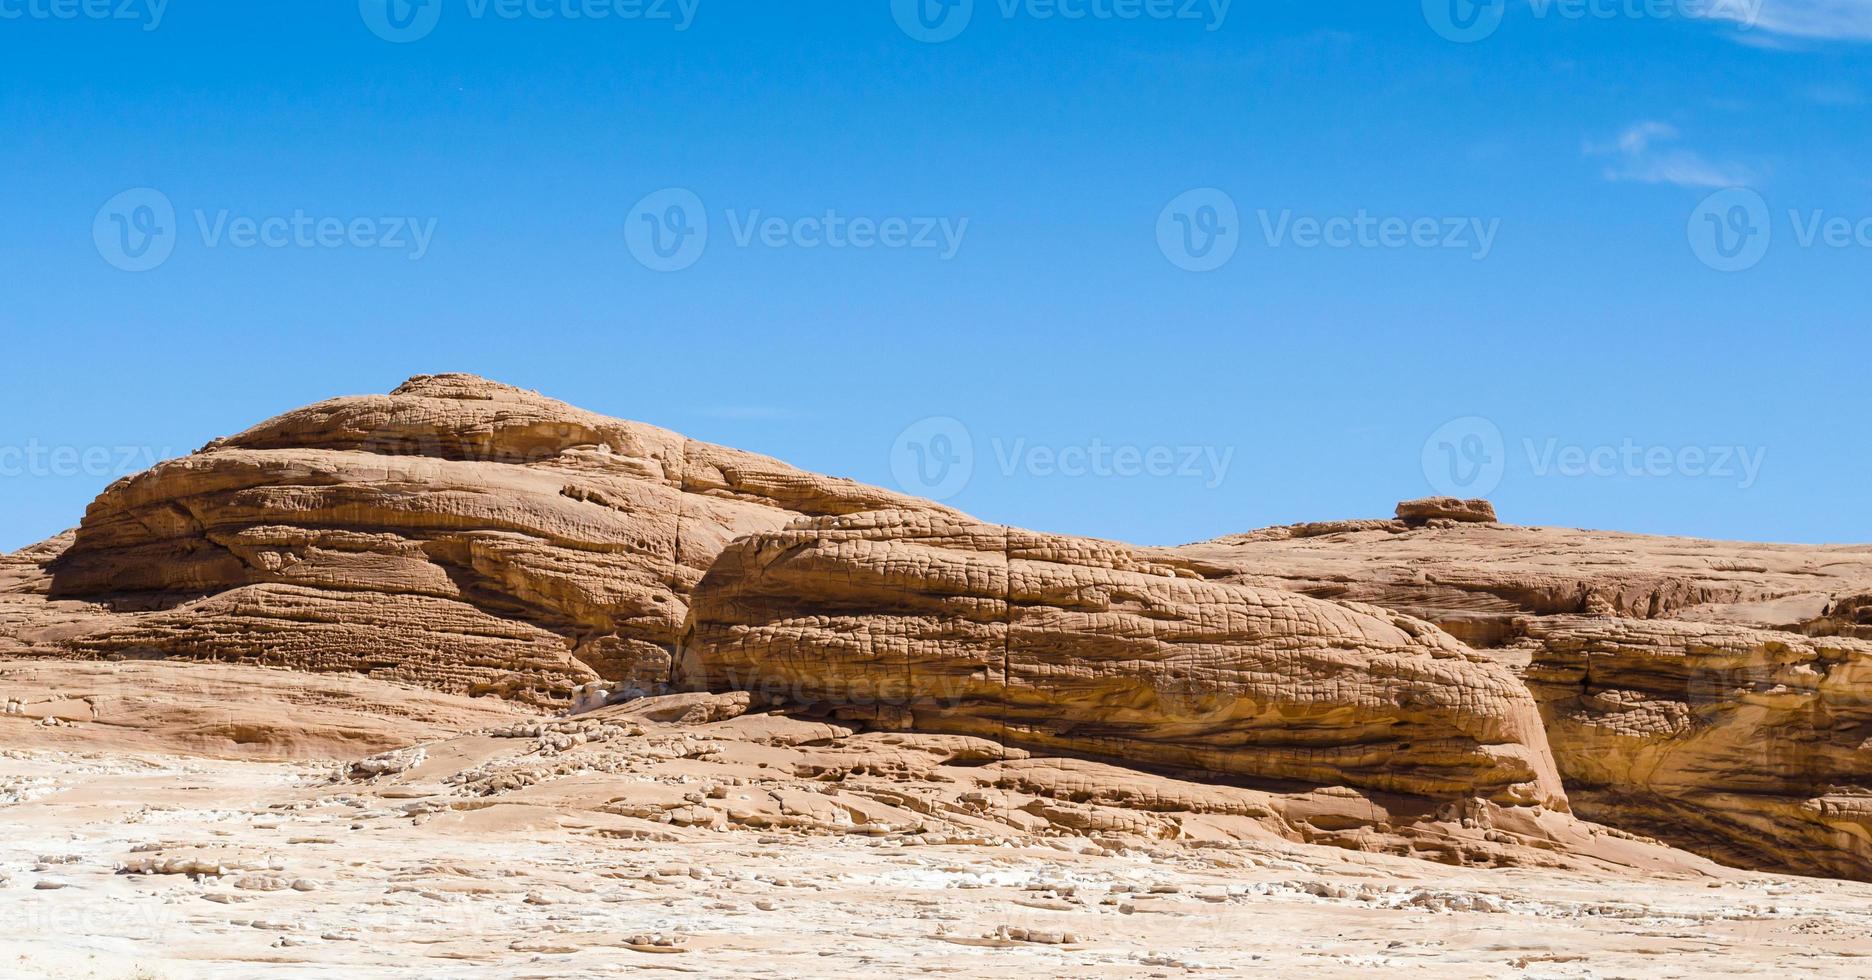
(1446, 508)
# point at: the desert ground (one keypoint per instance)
(178, 851)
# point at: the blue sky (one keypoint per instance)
(1013, 231)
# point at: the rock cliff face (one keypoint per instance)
(1713, 694)
(1750, 746)
(457, 534)
(942, 624)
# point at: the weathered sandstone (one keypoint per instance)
(1751, 746)
(938, 623)
(1446, 509)
(1714, 694)
(457, 533)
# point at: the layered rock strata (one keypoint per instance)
(942, 624)
(457, 533)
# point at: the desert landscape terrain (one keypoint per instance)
(465, 681)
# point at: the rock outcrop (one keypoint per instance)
(459, 534)
(938, 623)
(474, 539)
(1446, 509)
(1750, 746)
(1713, 694)
(1476, 580)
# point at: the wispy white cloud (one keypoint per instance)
(1642, 153)
(1843, 20)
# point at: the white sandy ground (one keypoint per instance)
(323, 881)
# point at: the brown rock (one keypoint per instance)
(1749, 746)
(1446, 509)
(938, 623)
(1683, 694)
(458, 534)
(1475, 580)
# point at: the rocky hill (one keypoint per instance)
(1480, 692)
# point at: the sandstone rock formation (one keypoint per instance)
(474, 539)
(1714, 694)
(1446, 509)
(1751, 746)
(939, 623)
(1475, 580)
(457, 533)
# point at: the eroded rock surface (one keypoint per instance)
(1751, 746)
(1446, 509)
(1475, 580)
(459, 534)
(940, 623)
(1712, 693)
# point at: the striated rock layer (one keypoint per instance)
(1750, 746)
(1715, 694)
(459, 534)
(938, 623)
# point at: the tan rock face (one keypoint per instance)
(1714, 694)
(1475, 580)
(1750, 746)
(1065, 644)
(1446, 509)
(457, 533)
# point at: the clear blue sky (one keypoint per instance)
(1062, 320)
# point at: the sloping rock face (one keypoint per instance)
(457, 534)
(1750, 746)
(942, 624)
(1476, 580)
(1714, 694)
